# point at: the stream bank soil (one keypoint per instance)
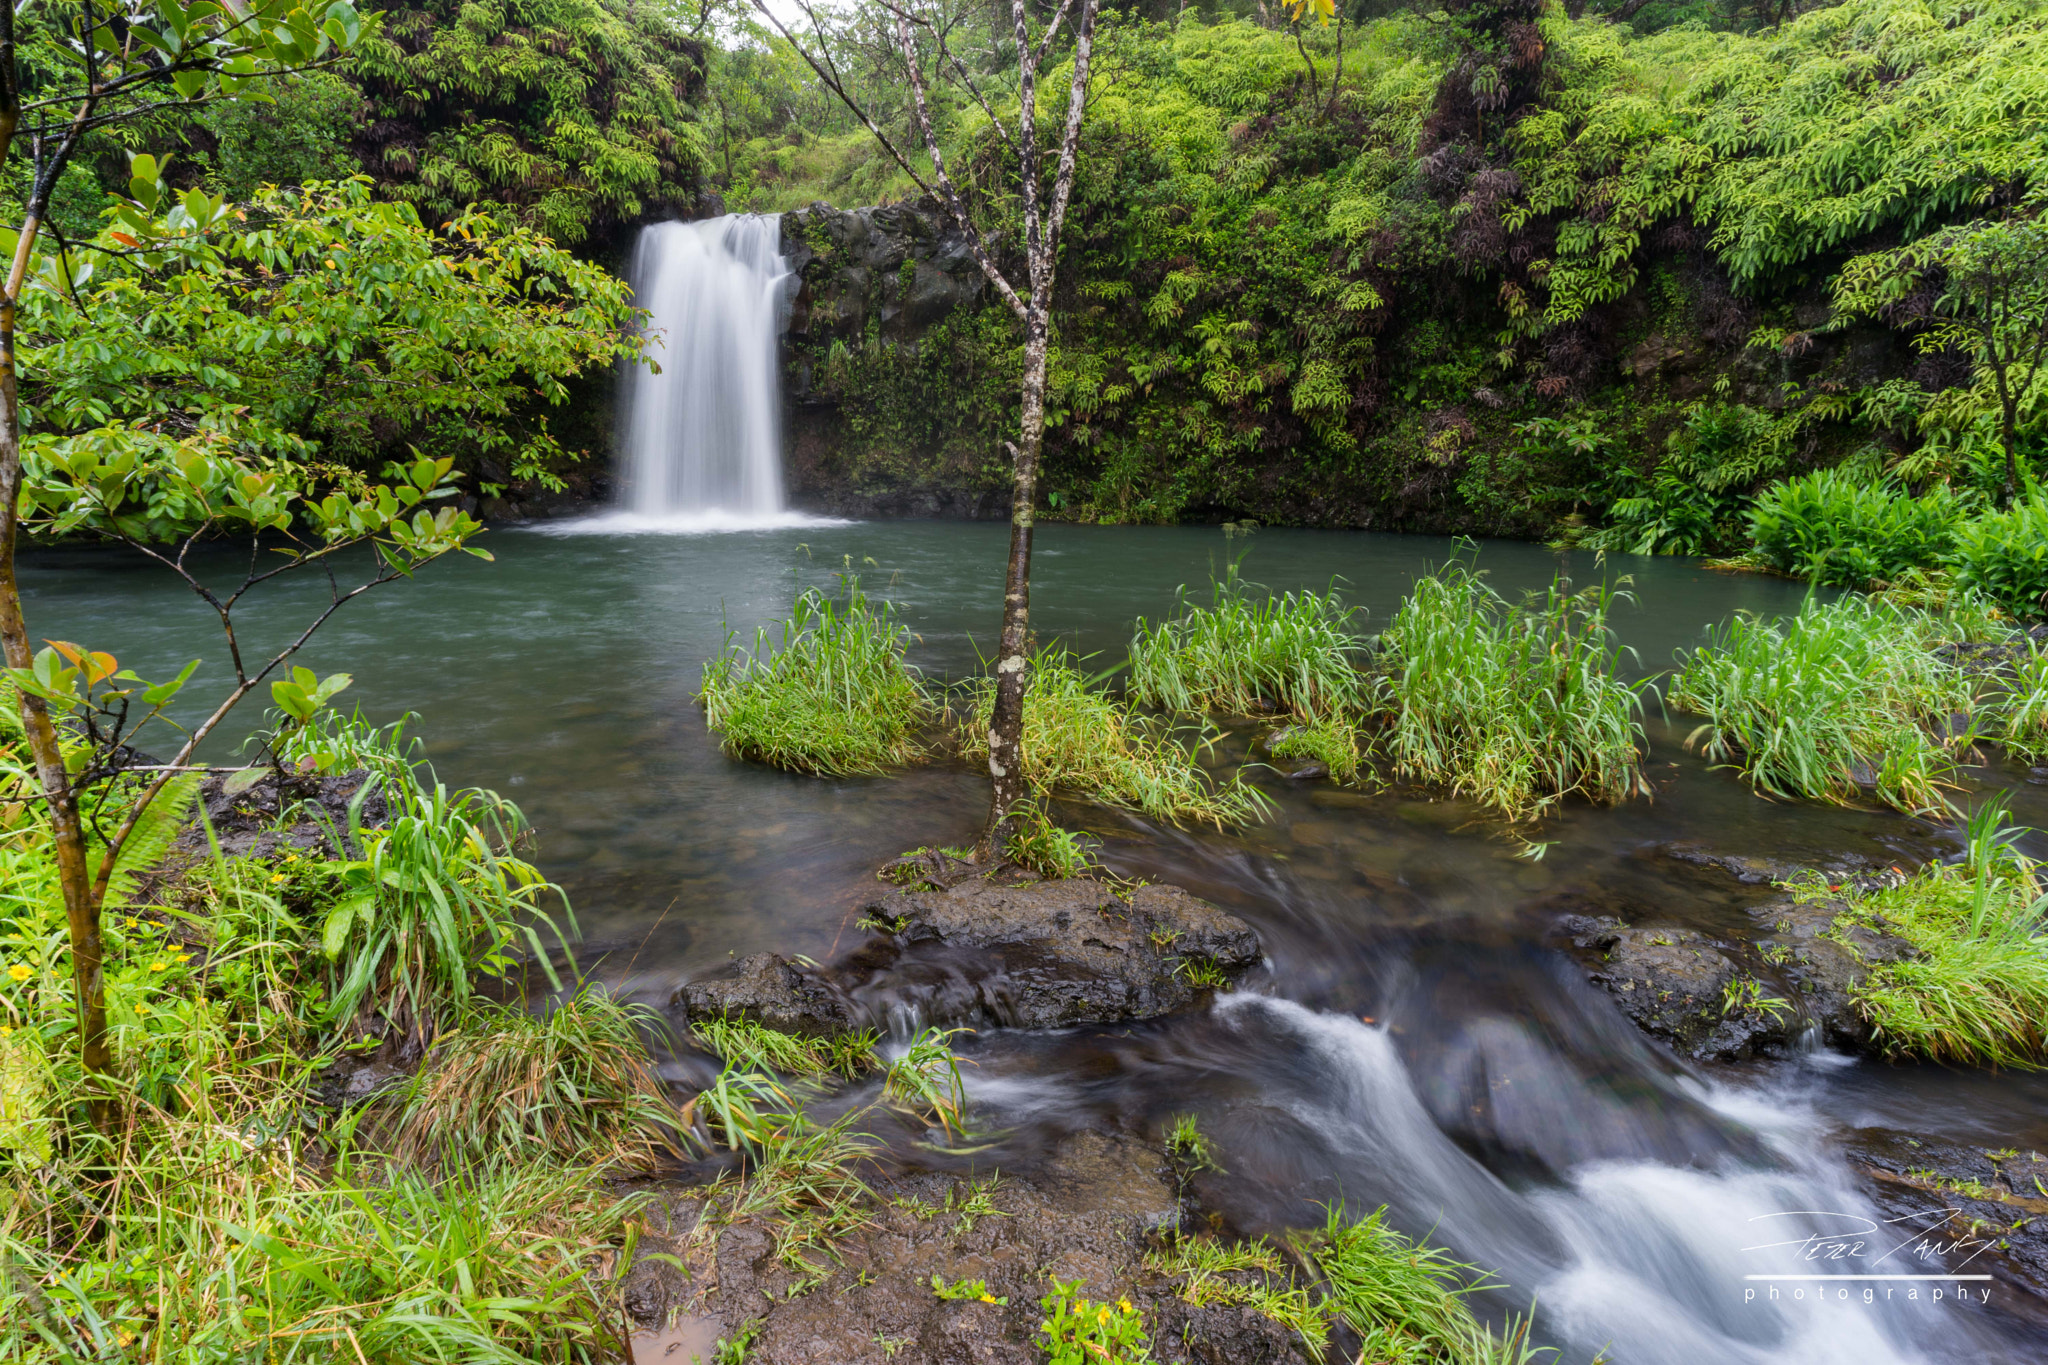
(1090, 1212)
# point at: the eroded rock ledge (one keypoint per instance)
(1032, 954)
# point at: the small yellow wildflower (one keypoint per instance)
(20, 971)
(1124, 1304)
(159, 966)
(5, 1031)
(129, 923)
(276, 877)
(988, 1298)
(142, 1009)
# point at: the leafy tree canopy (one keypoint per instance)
(577, 113)
(316, 324)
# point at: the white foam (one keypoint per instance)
(708, 522)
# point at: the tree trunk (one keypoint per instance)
(2009, 431)
(67, 832)
(1008, 786)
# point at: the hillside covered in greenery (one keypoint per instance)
(1517, 273)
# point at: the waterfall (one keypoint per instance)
(701, 443)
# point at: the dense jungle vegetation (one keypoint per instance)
(1514, 272)
(1506, 267)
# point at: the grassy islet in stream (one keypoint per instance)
(826, 692)
(1847, 695)
(1514, 706)
(1249, 654)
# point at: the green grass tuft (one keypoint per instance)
(1977, 992)
(1331, 741)
(1250, 655)
(1841, 697)
(2021, 723)
(829, 694)
(1407, 1300)
(572, 1086)
(756, 1047)
(1516, 707)
(1084, 742)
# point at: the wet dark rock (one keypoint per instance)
(906, 266)
(1732, 998)
(1050, 954)
(1091, 1211)
(769, 989)
(1674, 984)
(1983, 1206)
(1312, 768)
(245, 822)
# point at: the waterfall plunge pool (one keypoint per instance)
(1496, 1101)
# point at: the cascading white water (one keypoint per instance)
(701, 443)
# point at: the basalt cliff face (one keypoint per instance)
(871, 343)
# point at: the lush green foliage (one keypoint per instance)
(828, 694)
(316, 324)
(436, 896)
(1395, 307)
(300, 133)
(1844, 698)
(1516, 707)
(1081, 741)
(1837, 529)
(574, 112)
(1976, 991)
(203, 1229)
(2004, 556)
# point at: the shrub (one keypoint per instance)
(1977, 991)
(1293, 653)
(1837, 699)
(1845, 532)
(574, 1085)
(1083, 741)
(831, 696)
(1516, 707)
(2004, 556)
(437, 896)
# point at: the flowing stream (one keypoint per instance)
(702, 435)
(1413, 1042)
